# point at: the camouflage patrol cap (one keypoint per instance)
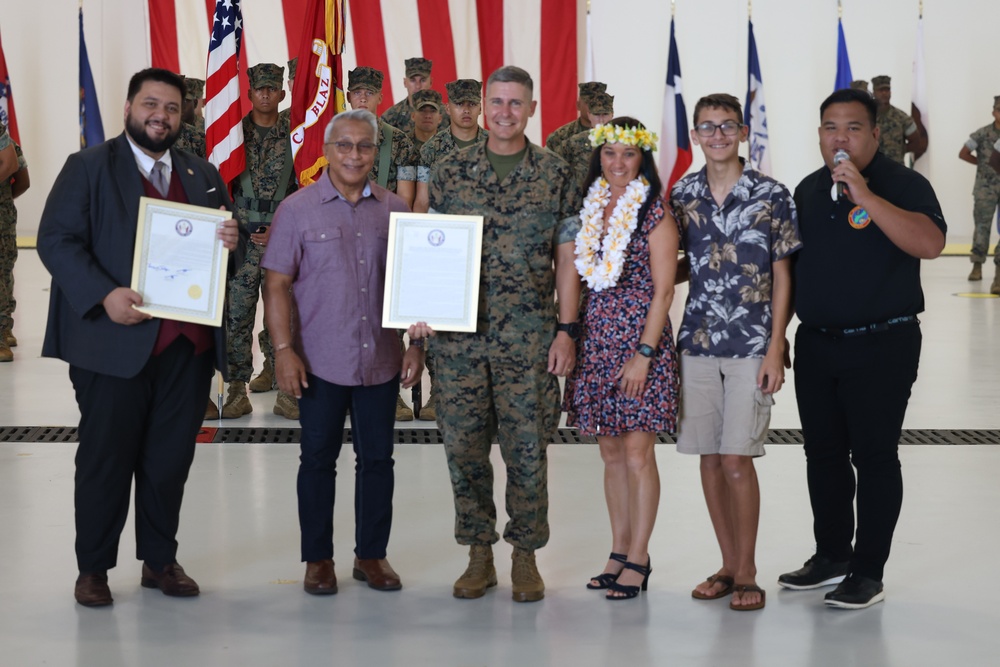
(266, 74)
(427, 98)
(880, 82)
(996, 101)
(415, 66)
(601, 103)
(368, 78)
(591, 88)
(291, 67)
(860, 84)
(465, 90)
(195, 88)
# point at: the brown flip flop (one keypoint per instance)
(748, 588)
(727, 586)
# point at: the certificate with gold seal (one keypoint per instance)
(179, 266)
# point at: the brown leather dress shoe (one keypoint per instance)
(378, 573)
(172, 581)
(92, 589)
(320, 578)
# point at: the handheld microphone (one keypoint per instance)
(838, 157)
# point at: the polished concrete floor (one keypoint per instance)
(239, 538)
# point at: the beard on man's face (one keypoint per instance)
(137, 130)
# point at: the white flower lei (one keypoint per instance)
(602, 271)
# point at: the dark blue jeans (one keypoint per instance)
(323, 409)
(852, 394)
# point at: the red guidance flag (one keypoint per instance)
(7, 116)
(318, 93)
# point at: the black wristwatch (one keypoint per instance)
(646, 350)
(571, 328)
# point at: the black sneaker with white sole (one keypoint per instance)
(855, 592)
(817, 572)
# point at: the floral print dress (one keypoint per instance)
(613, 322)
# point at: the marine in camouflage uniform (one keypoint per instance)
(426, 104)
(418, 77)
(191, 139)
(266, 181)
(895, 127)
(8, 251)
(364, 91)
(465, 93)
(195, 90)
(577, 150)
(985, 193)
(580, 124)
(495, 381)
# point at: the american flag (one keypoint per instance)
(223, 116)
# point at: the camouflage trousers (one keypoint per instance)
(8, 255)
(243, 294)
(984, 211)
(484, 389)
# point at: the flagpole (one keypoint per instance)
(840, 9)
(673, 8)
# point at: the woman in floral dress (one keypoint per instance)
(625, 386)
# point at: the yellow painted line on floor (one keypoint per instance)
(962, 250)
(976, 295)
(27, 242)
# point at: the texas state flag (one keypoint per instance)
(675, 154)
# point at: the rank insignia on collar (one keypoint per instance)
(859, 218)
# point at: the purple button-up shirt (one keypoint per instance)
(335, 253)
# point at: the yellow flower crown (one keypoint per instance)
(618, 134)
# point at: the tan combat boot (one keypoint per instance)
(264, 381)
(428, 413)
(977, 271)
(403, 412)
(527, 583)
(212, 411)
(995, 287)
(286, 406)
(237, 403)
(480, 574)
(6, 354)
(10, 338)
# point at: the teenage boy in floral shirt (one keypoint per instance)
(739, 228)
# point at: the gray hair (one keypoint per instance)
(512, 74)
(362, 115)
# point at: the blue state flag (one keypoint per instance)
(844, 77)
(91, 129)
(754, 111)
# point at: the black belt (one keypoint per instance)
(870, 328)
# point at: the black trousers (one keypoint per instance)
(142, 427)
(323, 409)
(852, 393)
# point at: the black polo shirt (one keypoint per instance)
(848, 273)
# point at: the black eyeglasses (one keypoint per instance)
(707, 129)
(346, 147)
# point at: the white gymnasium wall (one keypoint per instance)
(796, 40)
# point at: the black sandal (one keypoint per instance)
(629, 592)
(605, 579)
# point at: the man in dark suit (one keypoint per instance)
(140, 382)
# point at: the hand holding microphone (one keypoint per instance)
(838, 157)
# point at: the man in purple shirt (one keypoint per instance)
(328, 244)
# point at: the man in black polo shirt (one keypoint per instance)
(866, 222)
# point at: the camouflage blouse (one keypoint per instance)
(731, 249)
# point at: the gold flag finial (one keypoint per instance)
(840, 9)
(673, 8)
(921, 8)
(749, 9)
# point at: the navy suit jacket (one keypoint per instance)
(86, 240)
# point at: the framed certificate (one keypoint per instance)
(179, 266)
(432, 271)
